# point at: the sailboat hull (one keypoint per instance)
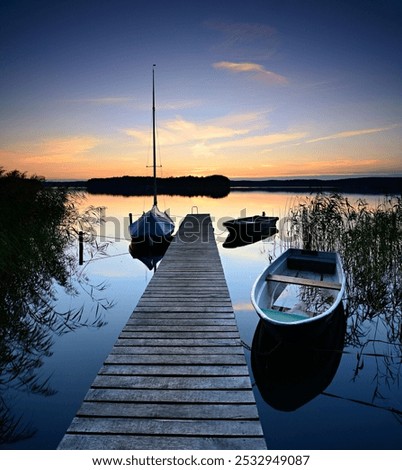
(153, 226)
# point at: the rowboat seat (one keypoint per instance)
(302, 281)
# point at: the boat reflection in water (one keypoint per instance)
(289, 375)
(150, 255)
(234, 240)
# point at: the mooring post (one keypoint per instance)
(80, 248)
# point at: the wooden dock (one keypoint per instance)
(176, 377)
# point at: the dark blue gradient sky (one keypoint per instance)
(247, 89)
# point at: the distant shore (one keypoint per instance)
(363, 185)
(219, 186)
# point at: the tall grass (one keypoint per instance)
(369, 239)
(38, 240)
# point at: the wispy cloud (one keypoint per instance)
(244, 39)
(53, 150)
(177, 105)
(67, 147)
(241, 32)
(349, 166)
(218, 138)
(261, 141)
(353, 133)
(180, 131)
(254, 70)
(105, 100)
(136, 103)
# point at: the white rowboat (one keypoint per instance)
(299, 289)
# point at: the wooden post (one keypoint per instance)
(80, 248)
(130, 216)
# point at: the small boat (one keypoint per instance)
(300, 290)
(248, 229)
(153, 226)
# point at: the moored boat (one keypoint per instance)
(153, 226)
(248, 229)
(300, 290)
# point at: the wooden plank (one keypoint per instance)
(177, 359)
(178, 334)
(161, 396)
(168, 411)
(184, 314)
(202, 350)
(181, 321)
(166, 427)
(174, 370)
(173, 328)
(304, 281)
(124, 442)
(171, 383)
(178, 342)
(176, 377)
(183, 307)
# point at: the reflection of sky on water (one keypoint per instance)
(325, 422)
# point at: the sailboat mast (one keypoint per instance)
(154, 133)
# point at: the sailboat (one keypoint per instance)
(153, 226)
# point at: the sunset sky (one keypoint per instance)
(252, 89)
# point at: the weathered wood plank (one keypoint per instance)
(166, 427)
(202, 350)
(174, 328)
(174, 370)
(171, 396)
(202, 304)
(178, 334)
(304, 281)
(171, 383)
(184, 308)
(178, 342)
(168, 411)
(185, 315)
(148, 320)
(177, 359)
(124, 442)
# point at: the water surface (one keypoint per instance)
(357, 407)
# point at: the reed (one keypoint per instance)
(369, 239)
(38, 233)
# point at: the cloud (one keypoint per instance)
(67, 147)
(256, 70)
(178, 104)
(136, 104)
(52, 151)
(261, 140)
(354, 133)
(244, 39)
(351, 166)
(218, 137)
(105, 100)
(241, 32)
(180, 131)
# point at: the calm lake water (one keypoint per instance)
(343, 396)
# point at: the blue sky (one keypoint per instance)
(246, 89)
